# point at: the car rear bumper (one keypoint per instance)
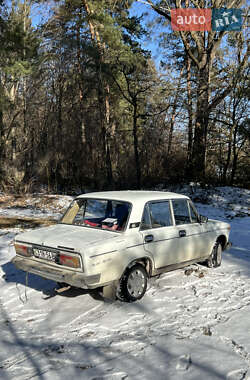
(77, 279)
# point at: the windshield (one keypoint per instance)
(98, 213)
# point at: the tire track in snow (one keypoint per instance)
(207, 302)
(17, 363)
(238, 349)
(15, 360)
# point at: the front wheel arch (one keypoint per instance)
(222, 240)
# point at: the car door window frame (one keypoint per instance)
(190, 207)
(144, 227)
(147, 209)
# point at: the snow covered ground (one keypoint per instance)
(190, 325)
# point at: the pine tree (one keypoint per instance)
(18, 60)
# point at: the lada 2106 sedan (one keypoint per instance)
(117, 239)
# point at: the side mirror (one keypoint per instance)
(203, 219)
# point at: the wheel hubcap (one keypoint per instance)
(219, 255)
(136, 283)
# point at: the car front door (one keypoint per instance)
(193, 244)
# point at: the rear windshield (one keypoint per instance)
(98, 213)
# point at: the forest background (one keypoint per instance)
(101, 94)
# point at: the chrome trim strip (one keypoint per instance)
(66, 248)
(101, 254)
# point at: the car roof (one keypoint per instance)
(133, 195)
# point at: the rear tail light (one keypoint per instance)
(23, 250)
(69, 261)
(62, 259)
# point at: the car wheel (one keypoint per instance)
(62, 284)
(133, 284)
(216, 256)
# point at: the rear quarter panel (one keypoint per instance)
(214, 229)
(111, 260)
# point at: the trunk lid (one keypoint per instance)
(67, 236)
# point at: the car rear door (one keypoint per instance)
(171, 232)
(160, 236)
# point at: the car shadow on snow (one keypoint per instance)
(47, 287)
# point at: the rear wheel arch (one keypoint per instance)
(122, 291)
(144, 261)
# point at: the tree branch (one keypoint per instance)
(227, 91)
(187, 47)
(159, 10)
(121, 90)
(155, 114)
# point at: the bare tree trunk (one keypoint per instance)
(173, 116)
(235, 157)
(229, 154)
(190, 114)
(81, 85)
(2, 150)
(104, 105)
(29, 153)
(136, 149)
(201, 126)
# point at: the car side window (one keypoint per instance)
(159, 214)
(181, 211)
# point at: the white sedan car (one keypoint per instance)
(117, 239)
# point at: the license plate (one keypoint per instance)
(43, 254)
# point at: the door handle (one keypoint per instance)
(148, 238)
(182, 233)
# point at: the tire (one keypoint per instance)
(62, 284)
(133, 283)
(215, 258)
